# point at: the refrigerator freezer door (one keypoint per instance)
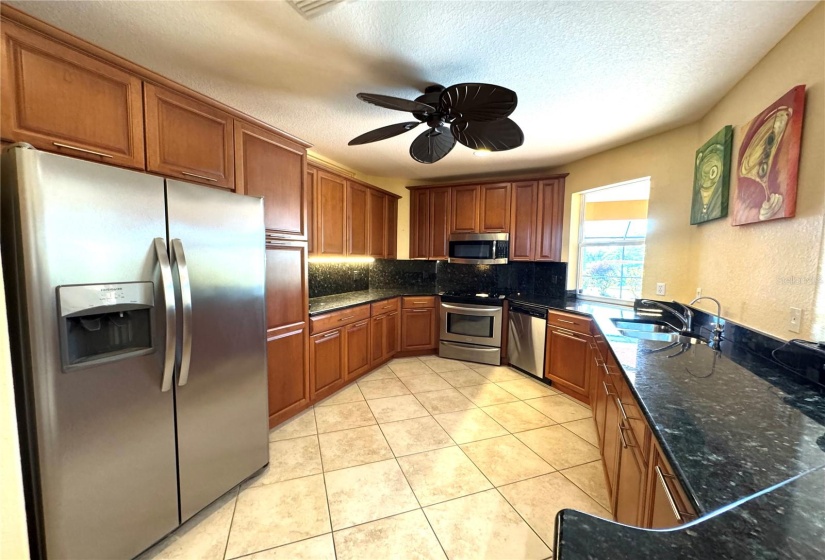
(217, 241)
(104, 461)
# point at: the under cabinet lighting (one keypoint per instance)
(350, 260)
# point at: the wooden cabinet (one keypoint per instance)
(392, 336)
(188, 139)
(357, 337)
(610, 441)
(494, 210)
(420, 224)
(330, 214)
(392, 227)
(439, 224)
(464, 209)
(272, 167)
(419, 323)
(326, 363)
(62, 100)
(357, 220)
(377, 205)
(567, 361)
(311, 194)
(667, 503)
(549, 220)
(385, 336)
(523, 221)
(628, 505)
(287, 329)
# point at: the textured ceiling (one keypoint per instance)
(589, 75)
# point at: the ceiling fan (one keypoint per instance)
(473, 114)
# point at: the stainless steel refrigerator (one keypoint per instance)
(136, 311)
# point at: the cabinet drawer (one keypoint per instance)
(386, 306)
(569, 321)
(337, 319)
(418, 302)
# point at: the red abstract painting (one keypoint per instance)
(768, 166)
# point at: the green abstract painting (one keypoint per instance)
(711, 178)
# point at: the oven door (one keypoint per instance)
(471, 324)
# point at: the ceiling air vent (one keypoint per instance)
(314, 8)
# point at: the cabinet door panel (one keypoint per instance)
(418, 329)
(286, 283)
(630, 481)
(494, 213)
(377, 335)
(523, 221)
(392, 227)
(377, 223)
(392, 340)
(326, 363)
(357, 219)
(439, 232)
(288, 372)
(189, 139)
(357, 348)
(464, 213)
(667, 503)
(330, 214)
(550, 220)
(610, 447)
(568, 359)
(311, 189)
(271, 167)
(61, 100)
(420, 224)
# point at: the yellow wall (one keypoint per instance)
(616, 210)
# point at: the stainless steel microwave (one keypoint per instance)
(479, 248)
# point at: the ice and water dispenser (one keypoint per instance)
(102, 323)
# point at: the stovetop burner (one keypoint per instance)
(484, 298)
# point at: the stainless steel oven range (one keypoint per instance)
(471, 327)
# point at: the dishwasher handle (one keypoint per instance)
(533, 311)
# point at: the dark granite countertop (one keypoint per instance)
(787, 522)
(335, 302)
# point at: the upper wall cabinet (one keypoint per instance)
(392, 227)
(439, 235)
(272, 167)
(420, 224)
(494, 208)
(464, 211)
(549, 220)
(61, 100)
(189, 139)
(330, 214)
(357, 219)
(378, 227)
(523, 221)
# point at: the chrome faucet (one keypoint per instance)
(686, 318)
(717, 328)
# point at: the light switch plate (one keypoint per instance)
(795, 322)
(661, 289)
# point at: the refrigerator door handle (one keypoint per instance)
(169, 310)
(186, 303)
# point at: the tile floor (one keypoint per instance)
(422, 458)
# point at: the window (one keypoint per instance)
(613, 225)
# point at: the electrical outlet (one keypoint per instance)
(698, 292)
(661, 289)
(796, 320)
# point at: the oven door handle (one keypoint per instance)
(475, 310)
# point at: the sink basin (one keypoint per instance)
(643, 326)
(654, 330)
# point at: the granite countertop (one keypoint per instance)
(325, 304)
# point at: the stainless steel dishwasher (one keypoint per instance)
(528, 332)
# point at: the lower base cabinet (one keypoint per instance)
(419, 324)
(630, 481)
(668, 506)
(385, 331)
(357, 347)
(326, 363)
(288, 372)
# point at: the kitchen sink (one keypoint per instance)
(643, 326)
(655, 330)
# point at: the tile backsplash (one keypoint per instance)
(406, 274)
(326, 279)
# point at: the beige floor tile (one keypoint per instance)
(392, 409)
(404, 536)
(348, 394)
(538, 500)
(316, 548)
(429, 357)
(517, 416)
(585, 429)
(559, 447)
(487, 394)
(527, 388)
(407, 360)
(443, 474)
(497, 373)
(288, 459)
(384, 372)
(469, 425)
(299, 426)
(368, 492)
(448, 400)
(559, 408)
(204, 536)
(505, 460)
(577, 401)
(425, 383)
(441, 365)
(349, 448)
(277, 514)
(415, 435)
(343, 417)
(590, 478)
(409, 369)
(484, 526)
(382, 388)
(463, 378)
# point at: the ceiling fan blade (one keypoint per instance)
(495, 136)
(383, 133)
(478, 102)
(395, 103)
(432, 145)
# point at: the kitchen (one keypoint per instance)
(388, 427)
